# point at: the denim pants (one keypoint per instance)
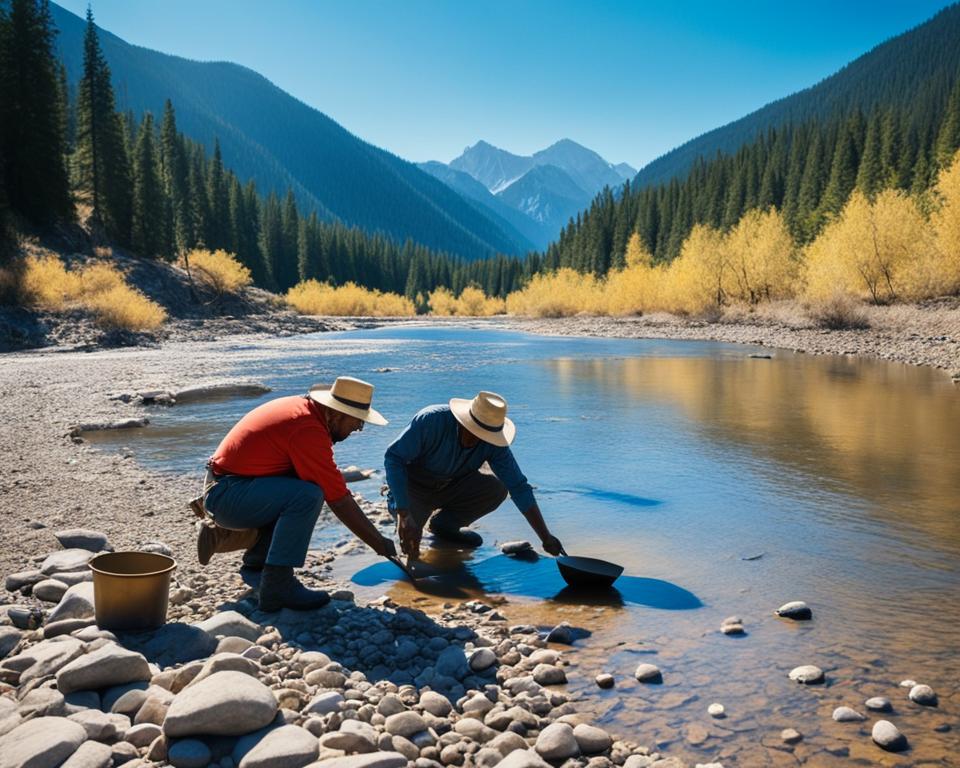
(460, 502)
(290, 504)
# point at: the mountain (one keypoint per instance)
(268, 135)
(907, 70)
(547, 197)
(494, 207)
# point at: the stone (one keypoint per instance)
(486, 757)
(23, 617)
(515, 547)
(83, 538)
(123, 752)
(49, 590)
(76, 603)
(103, 668)
(907, 683)
(604, 680)
(648, 673)
(189, 753)
(452, 662)
(790, 736)
(923, 695)
(405, 724)
(225, 704)
(557, 742)
(324, 703)
(888, 736)
(523, 758)
(696, 734)
(435, 703)
(230, 624)
(807, 674)
(354, 737)
(97, 724)
(233, 644)
(69, 627)
(562, 633)
(481, 659)
(477, 704)
(474, 729)
(289, 746)
(716, 710)
(90, 755)
(508, 742)
(41, 702)
(45, 658)
(732, 625)
(79, 701)
(16, 581)
(155, 706)
(225, 662)
(9, 639)
(124, 699)
(373, 760)
(43, 741)
(592, 740)
(878, 704)
(67, 560)
(326, 678)
(174, 643)
(848, 715)
(143, 735)
(796, 610)
(72, 578)
(548, 674)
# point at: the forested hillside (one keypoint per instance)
(911, 73)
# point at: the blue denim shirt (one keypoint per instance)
(429, 451)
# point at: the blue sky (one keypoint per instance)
(426, 78)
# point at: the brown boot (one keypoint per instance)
(212, 539)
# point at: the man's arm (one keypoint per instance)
(505, 467)
(350, 514)
(401, 452)
(550, 542)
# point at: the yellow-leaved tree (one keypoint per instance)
(695, 279)
(562, 293)
(871, 250)
(946, 226)
(634, 289)
(761, 258)
(442, 302)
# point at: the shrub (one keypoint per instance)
(761, 260)
(125, 308)
(472, 302)
(562, 293)
(695, 279)
(946, 228)
(839, 312)
(48, 284)
(442, 302)
(351, 300)
(217, 270)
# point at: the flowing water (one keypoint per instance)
(725, 484)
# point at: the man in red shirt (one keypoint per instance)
(275, 468)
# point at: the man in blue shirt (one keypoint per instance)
(435, 465)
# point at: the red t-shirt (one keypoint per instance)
(286, 436)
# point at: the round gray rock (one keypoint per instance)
(592, 740)
(49, 590)
(557, 742)
(225, 704)
(848, 715)
(878, 704)
(923, 694)
(604, 680)
(105, 667)
(807, 674)
(888, 736)
(405, 724)
(648, 673)
(435, 703)
(189, 753)
(548, 674)
(515, 547)
(67, 560)
(481, 659)
(44, 741)
(790, 735)
(796, 610)
(289, 746)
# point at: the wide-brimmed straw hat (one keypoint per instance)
(350, 396)
(486, 417)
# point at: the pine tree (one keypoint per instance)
(101, 158)
(176, 182)
(218, 233)
(843, 171)
(948, 139)
(285, 269)
(870, 176)
(271, 237)
(149, 234)
(31, 121)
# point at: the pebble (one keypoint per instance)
(482, 659)
(848, 715)
(807, 674)
(67, 560)
(790, 735)
(143, 734)
(91, 754)
(225, 704)
(716, 710)
(557, 742)
(592, 740)
(732, 625)
(83, 538)
(405, 724)
(189, 753)
(604, 680)
(796, 610)
(523, 758)
(562, 634)
(548, 674)
(384, 759)
(324, 703)
(43, 741)
(923, 695)
(888, 736)
(648, 673)
(289, 746)
(9, 639)
(16, 581)
(436, 704)
(49, 590)
(230, 624)
(515, 547)
(907, 683)
(76, 603)
(25, 618)
(878, 704)
(103, 668)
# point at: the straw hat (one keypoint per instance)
(350, 396)
(486, 417)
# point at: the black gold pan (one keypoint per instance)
(588, 572)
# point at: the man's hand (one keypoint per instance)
(385, 547)
(409, 533)
(552, 545)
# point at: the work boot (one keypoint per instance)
(212, 539)
(255, 557)
(279, 588)
(462, 537)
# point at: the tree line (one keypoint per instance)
(150, 189)
(806, 170)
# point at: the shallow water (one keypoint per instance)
(684, 461)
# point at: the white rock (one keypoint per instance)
(373, 760)
(105, 667)
(230, 624)
(405, 724)
(91, 754)
(648, 673)
(289, 746)
(49, 590)
(716, 710)
(796, 610)
(508, 742)
(474, 729)
(515, 547)
(847, 715)
(591, 740)
(523, 758)
(790, 735)
(189, 753)
(44, 741)
(557, 742)
(807, 674)
(907, 683)
(923, 694)
(324, 703)
(76, 603)
(225, 662)
(67, 560)
(481, 659)
(548, 674)
(878, 704)
(143, 735)
(354, 736)
(436, 704)
(225, 704)
(83, 538)
(888, 736)
(604, 680)
(478, 703)
(44, 659)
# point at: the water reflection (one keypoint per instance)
(461, 577)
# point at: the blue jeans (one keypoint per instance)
(292, 505)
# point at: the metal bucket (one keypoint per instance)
(131, 589)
